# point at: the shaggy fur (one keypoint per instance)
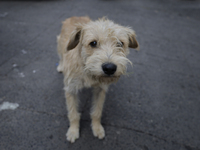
(82, 64)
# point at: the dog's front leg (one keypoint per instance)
(73, 115)
(96, 112)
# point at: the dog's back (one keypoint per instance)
(68, 27)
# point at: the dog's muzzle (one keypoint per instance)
(109, 68)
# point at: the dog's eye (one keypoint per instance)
(93, 44)
(120, 44)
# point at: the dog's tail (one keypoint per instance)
(59, 45)
(58, 38)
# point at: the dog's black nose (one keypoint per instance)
(109, 68)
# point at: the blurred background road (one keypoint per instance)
(155, 107)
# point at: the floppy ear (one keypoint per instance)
(74, 38)
(133, 43)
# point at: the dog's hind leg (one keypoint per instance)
(96, 112)
(73, 115)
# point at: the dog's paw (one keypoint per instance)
(72, 134)
(98, 131)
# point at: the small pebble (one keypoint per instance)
(14, 65)
(24, 52)
(21, 75)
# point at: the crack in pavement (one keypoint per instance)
(188, 147)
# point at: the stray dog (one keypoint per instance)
(92, 54)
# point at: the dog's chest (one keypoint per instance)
(88, 82)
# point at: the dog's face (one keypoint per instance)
(103, 48)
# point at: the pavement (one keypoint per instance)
(155, 107)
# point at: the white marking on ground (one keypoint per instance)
(24, 52)
(21, 75)
(34, 71)
(8, 105)
(4, 14)
(14, 65)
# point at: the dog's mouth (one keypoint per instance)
(106, 78)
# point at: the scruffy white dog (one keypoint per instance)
(92, 54)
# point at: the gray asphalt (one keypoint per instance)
(155, 107)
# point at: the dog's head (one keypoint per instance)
(103, 47)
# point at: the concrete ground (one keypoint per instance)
(155, 107)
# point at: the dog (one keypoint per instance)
(92, 54)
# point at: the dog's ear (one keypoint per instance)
(74, 38)
(133, 43)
